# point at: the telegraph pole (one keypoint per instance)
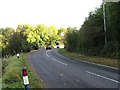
(104, 20)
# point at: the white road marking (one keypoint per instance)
(103, 77)
(47, 55)
(64, 84)
(78, 80)
(61, 74)
(95, 63)
(56, 60)
(59, 61)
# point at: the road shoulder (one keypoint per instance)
(99, 61)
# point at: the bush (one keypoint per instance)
(12, 75)
(110, 49)
(4, 64)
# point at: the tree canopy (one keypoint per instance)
(90, 37)
(27, 37)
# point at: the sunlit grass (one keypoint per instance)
(12, 76)
(93, 59)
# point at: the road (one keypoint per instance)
(58, 71)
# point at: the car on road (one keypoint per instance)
(48, 47)
(58, 47)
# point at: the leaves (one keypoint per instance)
(27, 37)
(90, 39)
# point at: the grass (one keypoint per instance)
(0, 73)
(93, 59)
(12, 73)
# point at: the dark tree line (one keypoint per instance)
(90, 39)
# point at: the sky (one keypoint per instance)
(60, 13)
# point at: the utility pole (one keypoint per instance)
(104, 20)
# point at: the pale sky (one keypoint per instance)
(60, 13)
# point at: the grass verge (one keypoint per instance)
(94, 59)
(12, 73)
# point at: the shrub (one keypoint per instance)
(4, 64)
(12, 75)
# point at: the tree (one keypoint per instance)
(62, 33)
(53, 35)
(6, 34)
(90, 38)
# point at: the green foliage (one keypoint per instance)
(5, 34)
(4, 64)
(62, 33)
(12, 76)
(72, 36)
(27, 38)
(12, 72)
(90, 38)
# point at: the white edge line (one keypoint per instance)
(96, 64)
(99, 64)
(103, 77)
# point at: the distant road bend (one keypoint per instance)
(58, 71)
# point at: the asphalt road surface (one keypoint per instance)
(58, 71)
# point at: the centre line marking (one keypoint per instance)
(47, 54)
(56, 60)
(59, 61)
(103, 77)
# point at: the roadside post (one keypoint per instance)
(18, 55)
(25, 78)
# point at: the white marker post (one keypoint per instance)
(18, 55)
(25, 78)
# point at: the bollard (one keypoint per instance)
(25, 78)
(18, 55)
